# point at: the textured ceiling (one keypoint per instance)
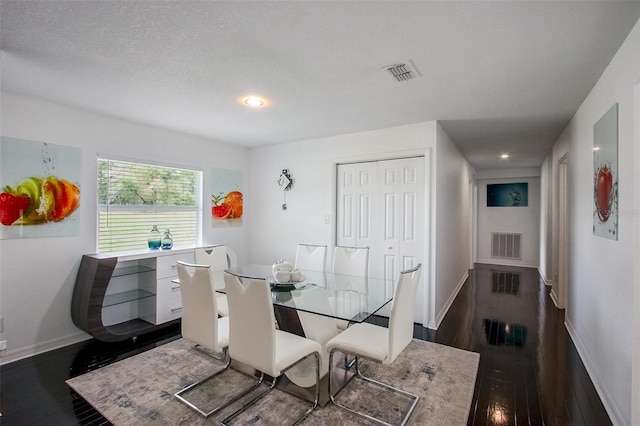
(499, 76)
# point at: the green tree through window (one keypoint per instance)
(132, 197)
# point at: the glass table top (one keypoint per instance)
(345, 297)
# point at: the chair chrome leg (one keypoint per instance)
(250, 403)
(348, 364)
(273, 385)
(213, 355)
(179, 397)
(359, 375)
(317, 397)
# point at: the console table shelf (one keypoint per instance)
(118, 296)
(124, 297)
(131, 270)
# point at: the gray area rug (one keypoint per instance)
(139, 390)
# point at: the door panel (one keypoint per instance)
(364, 210)
(347, 211)
(409, 222)
(389, 215)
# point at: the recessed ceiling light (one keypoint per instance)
(504, 156)
(254, 101)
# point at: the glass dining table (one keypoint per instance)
(318, 307)
(342, 297)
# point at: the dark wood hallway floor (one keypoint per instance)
(529, 373)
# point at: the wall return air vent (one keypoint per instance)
(506, 246)
(402, 71)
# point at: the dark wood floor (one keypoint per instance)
(529, 373)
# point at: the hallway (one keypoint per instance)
(530, 371)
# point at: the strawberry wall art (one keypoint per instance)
(605, 175)
(227, 199)
(39, 189)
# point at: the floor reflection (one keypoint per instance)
(505, 282)
(501, 333)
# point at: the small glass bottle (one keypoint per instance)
(167, 240)
(154, 238)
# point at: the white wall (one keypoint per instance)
(312, 164)
(451, 249)
(600, 295)
(38, 275)
(524, 220)
(276, 232)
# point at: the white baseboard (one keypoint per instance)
(435, 324)
(22, 353)
(547, 282)
(608, 402)
(554, 298)
(503, 262)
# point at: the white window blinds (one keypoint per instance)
(132, 197)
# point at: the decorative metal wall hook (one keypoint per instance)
(285, 180)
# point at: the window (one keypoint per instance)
(132, 197)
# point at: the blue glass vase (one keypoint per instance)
(167, 240)
(154, 238)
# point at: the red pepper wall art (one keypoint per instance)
(605, 175)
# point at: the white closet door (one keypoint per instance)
(401, 189)
(385, 198)
(357, 185)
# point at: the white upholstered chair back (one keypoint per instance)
(217, 259)
(255, 342)
(351, 261)
(252, 324)
(311, 257)
(199, 307)
(401, 319)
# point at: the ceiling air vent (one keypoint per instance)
(403, 71)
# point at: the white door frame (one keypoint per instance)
(560, 290)
(473, 222)
(635, 367)
(428, 269)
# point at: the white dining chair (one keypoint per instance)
(380, 344)
(319, 328)
(217, 259)
(311, 257)
(200, 323)
(350, 297)
(255, 341)
(352, 261)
